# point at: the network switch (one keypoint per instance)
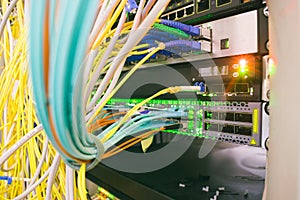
(200, 11)
(234, 122)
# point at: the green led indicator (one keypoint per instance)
(208, 126)
(227, 44)
(224, 44)
(271, 70)
(271, 66)
(243, 70)
(191, 125)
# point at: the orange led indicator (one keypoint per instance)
(243, 63)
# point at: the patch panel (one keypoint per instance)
(236, 122)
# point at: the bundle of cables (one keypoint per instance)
(75, 48)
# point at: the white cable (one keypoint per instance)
(88, 68)
(19, 143)
(7, 137)
(11, 131)
(6, 15)
(41, 162)
(147, 8)
(136, 22)
(102, 63)
(11, 39)
(70, 181)
(67, 183)
(108, 91)
(27, 164)
(134, 39)
(31, 188)
(26, 13)
(110, 71)
(5, 123)
(190, 88)
(52, 175)
(137, 18)
(101, 19)
(28, 190)
(21, 179)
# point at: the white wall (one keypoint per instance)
(284, 156)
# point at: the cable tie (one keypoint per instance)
(100, 152)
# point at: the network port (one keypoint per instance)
(165, 17)
(172, 16)
(241, 87)
(243, 117)
(180, 13)
(228, 129)
(203, 5)
(247, 131)
(189, 10)
(228, 116)
(223, 2)
(211, 127)
(211, 115)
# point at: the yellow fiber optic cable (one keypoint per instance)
(17, 104)
(111, 23)
(81, 182)
(21, 105)
(160, 47)
(126, 27)
(130, 143)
